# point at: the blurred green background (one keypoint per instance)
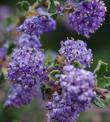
(99, 43)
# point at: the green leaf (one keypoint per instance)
(108, 98)
(49, 58)
(61, 1)
(52, 7)
(54, 16)
(9, 20)
(10, 48)
(2, 78)
(77, 64)
(53, 75)
(101, 68)
(103, 82)
(98, 102)
(23, 5)
(9, 114)
(46, 90)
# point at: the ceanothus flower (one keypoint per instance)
(76, 51)
(87, 17)
(58, 109)
(20, 95)
(37, 25)
(26, 66)
(2, 53)
(28, 41)
(76, 95)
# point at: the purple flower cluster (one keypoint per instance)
(59, 9)
(87, 17)
(28, 41)
(76, 51)
(37, 25)
(67, 89)
(58, 109)
(77, 94)
(19, 95)
(25, 65)
(24, 72)
(2, 53)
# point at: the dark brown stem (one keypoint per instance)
(101, 92)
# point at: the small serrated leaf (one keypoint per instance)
(98, 102)
(2, 78)
(23, 5)
(101, 68)
(52, 7)
(10, 48)
(103, 82)
(53, 75)
(54, 16)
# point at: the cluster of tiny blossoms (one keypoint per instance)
(72, 89)
(37, 25)
(87, 16)
(24, 70)
(74, 51)
(26, 66)
(77, 94)
(76, 84)
(28, 41)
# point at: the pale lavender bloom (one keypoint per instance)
(25, 72)
(87, 17)
(20, 95)
(37, 25)
(25, 66)
(76, 51)
(28, 41)
(58, 109)
(2, 53)
(76, 95)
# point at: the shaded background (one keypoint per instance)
(99, 43)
